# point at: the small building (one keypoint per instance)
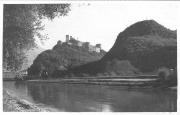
(97, 50)
(80, 44)
(86, 45)
(98, 45)
(92, 48)
(73, 41)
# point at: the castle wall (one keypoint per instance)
(80, 44)
(72, 41)
(98, 50)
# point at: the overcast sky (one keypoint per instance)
(102, 22)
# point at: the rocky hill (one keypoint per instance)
(143, 47)
(63, 57)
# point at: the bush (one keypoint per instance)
(164, 73)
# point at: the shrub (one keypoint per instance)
(164, 73)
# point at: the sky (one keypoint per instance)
(101, 22)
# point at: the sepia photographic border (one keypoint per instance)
(135, 2)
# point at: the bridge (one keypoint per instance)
(11, 75)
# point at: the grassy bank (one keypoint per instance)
(12, 103)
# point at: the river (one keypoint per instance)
(100, 98)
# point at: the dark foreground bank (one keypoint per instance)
(12, 103)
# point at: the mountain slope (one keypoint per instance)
(143, 47)
(144, 44)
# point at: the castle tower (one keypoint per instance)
(98, 46)
(86, 44)
(67, 38)
(71, 38)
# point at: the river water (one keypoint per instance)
(85, 98)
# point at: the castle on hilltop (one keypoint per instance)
(86, 45)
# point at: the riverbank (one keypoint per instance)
(12, 103)
(118, 81)
(141, 81)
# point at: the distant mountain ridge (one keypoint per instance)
(143, 47)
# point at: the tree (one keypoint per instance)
(21, 24)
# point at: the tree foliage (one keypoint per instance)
(21, 23)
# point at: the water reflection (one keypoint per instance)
(76, 97)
